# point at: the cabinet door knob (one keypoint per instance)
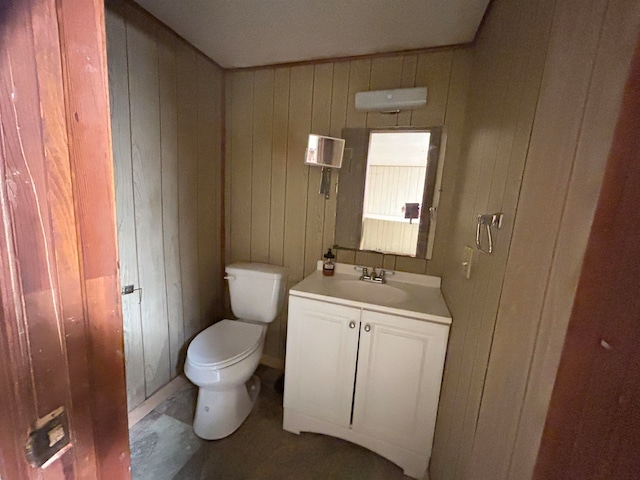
(367, 328)
(352, 324)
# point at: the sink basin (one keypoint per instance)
(370, 292)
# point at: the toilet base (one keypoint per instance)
(220, 413)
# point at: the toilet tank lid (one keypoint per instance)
(257, 270)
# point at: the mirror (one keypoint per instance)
(324, 151)
(386, 190)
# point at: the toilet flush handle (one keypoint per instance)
(230, 277)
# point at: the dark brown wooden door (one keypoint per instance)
(61, 329)
(592, 429)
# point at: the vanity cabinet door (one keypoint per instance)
(398, 379)
(322, 345)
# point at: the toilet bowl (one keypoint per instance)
(222, 358)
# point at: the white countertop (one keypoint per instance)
(405, 294)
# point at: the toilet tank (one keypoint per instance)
(257, 290)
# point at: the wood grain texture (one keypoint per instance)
(620, 29)
(123, 180)
(87, 112)
(506, 72)
(188, 186)
(241, 129)
(262, 139)
(311, 98)
(386, 73)
(295, 215)
(182, 192)
(168, 104)
(282, 81)
(33, 342)
(320, 125)
(593, 423)
(338, 118)
(209, 182)
(274, 345)
(65, 238)
(144, 100)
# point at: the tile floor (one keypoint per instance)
(164, 447)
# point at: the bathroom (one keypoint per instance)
(209, 171)
(489, 98)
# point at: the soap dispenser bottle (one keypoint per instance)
(328, 267)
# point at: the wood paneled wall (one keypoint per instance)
(167, 104)
(590, 49)
(547, 76)
(274, 212)
(508, 59)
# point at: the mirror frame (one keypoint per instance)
(348, 225)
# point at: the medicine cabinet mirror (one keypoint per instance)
(386, 192)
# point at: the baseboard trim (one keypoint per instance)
(272, 362)
(156, 399)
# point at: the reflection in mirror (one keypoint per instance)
(386, 190)
(323, 151)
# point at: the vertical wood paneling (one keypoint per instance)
(338, 118)
(123, 179)
(386, 73)
(409, 67)
(170, 217)
(561, 163)
(511, 93)
(274, 344)
(261, 166)
(142, 53)
(282, 80)
(228, 151)
(208, 164)
(433, 70)
(186, 64)
(619, 33)
(359, 79)
(320, 125)
(241, 131)
(300, 99)
(216, 237)
(177, 124)
(452, 140)
(485, 115)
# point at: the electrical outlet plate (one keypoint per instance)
(467, 260)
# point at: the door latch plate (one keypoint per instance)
(50, 435)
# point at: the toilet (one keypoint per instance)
(222, 359)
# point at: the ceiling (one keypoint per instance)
(248, 33)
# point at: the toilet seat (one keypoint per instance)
(224, 343)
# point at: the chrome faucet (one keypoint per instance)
(374, 276)
(365, 274)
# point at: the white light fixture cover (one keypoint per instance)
(391, 100)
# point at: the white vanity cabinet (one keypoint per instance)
(367, 376)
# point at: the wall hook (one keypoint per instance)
(487, 220)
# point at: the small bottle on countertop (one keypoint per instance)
(328, 267)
